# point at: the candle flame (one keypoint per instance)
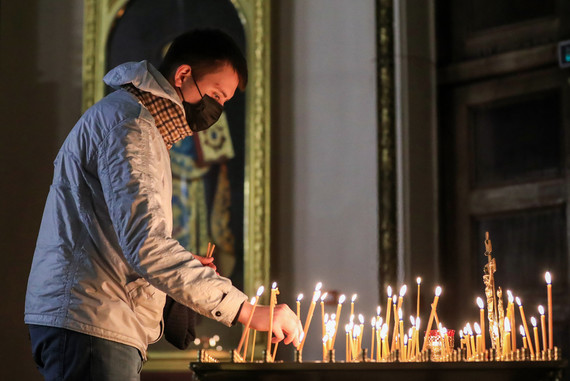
(521, 330)
(300, 297)
(411, 331)
(395, 299)
(318, 286)
(325, 339)
(406, 339)
(378, 309)
(347, 328)
(260, 290)
(356, 331)
(316, 296)
(440, 326)
(443, 331)
(518, 301)
(274, 286)
(438, 291)
(547, 278)
(326, 317)
(507, 325)
(333, 317)
(324, 296)
(477, 328)
(541, 310)
(389, 291)
(301, 336)
(461, 334)
(400, 313)
(252, 300)
(384, 331)
(412, 320)
(341, 299)
(419, 280)
(533, 321)
(353, 298)
(351, 319)
(403, 290)
(361, 318)
(511, 298)
(379, 324)
(418, 323)
(480, 303)
(373, 322)
(509, 293)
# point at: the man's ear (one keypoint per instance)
(181, 74)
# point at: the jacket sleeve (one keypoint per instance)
(131, 166)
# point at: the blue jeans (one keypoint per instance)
(61, 354)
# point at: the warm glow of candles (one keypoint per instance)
(548, 280)
(521, 309)
(341, 300)
(373, 324)
(323, 297)
(316, 296)
(535, 332)
(507, 337)
(347, 330)
(477, 329)
(482, 322)
(431, 316)
(523, 334)
(272, 302)
(388, 308)
(299, 298)
(419, 282)
(542, 325)
(352, 300)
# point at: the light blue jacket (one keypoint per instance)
(105, 256)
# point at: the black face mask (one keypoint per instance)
(202, 115)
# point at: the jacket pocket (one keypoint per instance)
(147, 303)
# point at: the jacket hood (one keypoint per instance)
(143, 76)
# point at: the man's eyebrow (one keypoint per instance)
(222, 91)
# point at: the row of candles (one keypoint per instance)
(407, 343)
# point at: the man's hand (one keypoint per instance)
(285, 323)
(206, 261)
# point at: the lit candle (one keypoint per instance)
(417, 335)
(360, 331)
(477, 329)
(419, 281)
(445, 341)
(352, 303)
(482, 320)
(549, 292)
(325, 340)
(511, 315)
(525, 325)
(411, 337)
(272, 302)
(403, 290)
(542, 325)
(395, 332)
(383, 335)
(299, 298)
(255, 300)
(467, 344)
(471, 340)
(405, 350)
(378, 345)
(337, 317)
(535, 332)
(316, 295)
(323, 297)
(507, 338)
(355, 345)
(430, 321)
(461, 339)
(523, 334)
(388, 308)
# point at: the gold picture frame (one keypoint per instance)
(99, 16)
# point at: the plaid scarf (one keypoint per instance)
(168, 116)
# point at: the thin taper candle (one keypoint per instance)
(535, 332)
(548, 279)
(337, 317)
(419, 281)
(259, 292)
(525, 325)
(430, 321)
(542, 325)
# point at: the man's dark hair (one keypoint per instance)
(204, 50)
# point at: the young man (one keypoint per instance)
(105, 258)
